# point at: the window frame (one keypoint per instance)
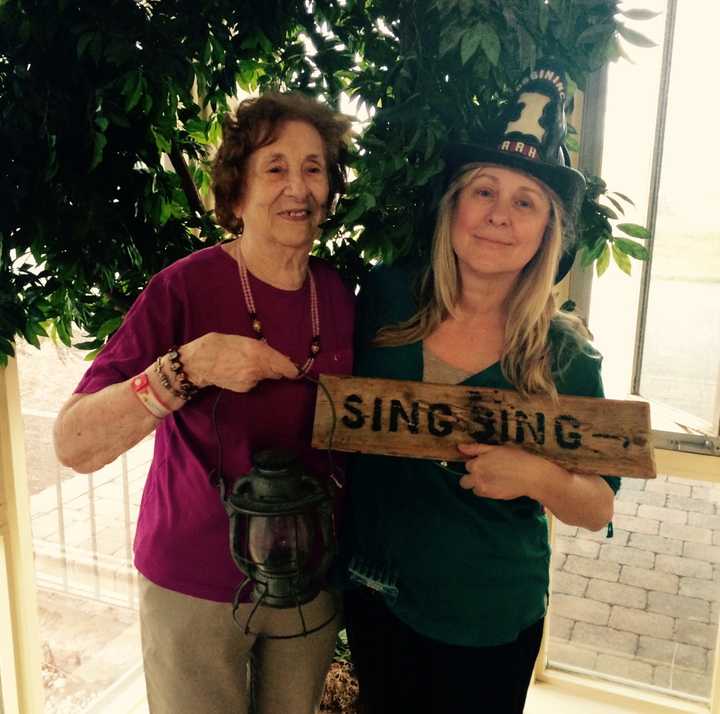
(20, 662)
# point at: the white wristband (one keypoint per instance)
(146, 394)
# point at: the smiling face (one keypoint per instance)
(286, 188)
(499, 222)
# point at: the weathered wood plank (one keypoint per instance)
(427, 421)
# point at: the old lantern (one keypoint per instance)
(281, 530)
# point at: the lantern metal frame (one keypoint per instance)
(281, 588)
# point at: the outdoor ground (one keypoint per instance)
(86, 645)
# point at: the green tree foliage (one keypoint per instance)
(107, 112)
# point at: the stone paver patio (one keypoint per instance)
(644, 604)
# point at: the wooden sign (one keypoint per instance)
(427, 421)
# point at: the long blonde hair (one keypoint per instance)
(526, 360)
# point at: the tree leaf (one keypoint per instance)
(527, 53)
(98, 149)
(469, 44)
(623, 197)
(206, 52)
(616, 51)
(607, 211)
(30, 336)
(615, 203)
(88, 345)
(631, 248)
(427, 171)
(634, 230)
(603, 261)
(136, 93)
(634, 37)
(165, 212)
(215, 132)
(63, 332)
(369, 200)
(163, 144)
(590, 254)
(7, 349)
(640, 14)
(544, 19)
(594, 32)
(466, 7)
(108, 327)
(119, 120)
(85, 39)
(490, 42)
(621, 260)
(449, 37)
(356, 210)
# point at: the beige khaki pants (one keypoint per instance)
(197, 658)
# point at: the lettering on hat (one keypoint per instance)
(550, 76)
(520, 147)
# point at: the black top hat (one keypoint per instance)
(532, 141)
(532, 138)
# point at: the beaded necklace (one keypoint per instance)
(314, 349)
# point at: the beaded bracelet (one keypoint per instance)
(164, 380)
(187, 389)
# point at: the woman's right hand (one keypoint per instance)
(233, 362)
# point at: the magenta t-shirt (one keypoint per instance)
(182, 537)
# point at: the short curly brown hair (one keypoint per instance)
(254, 124)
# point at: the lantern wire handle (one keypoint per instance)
(333, 425)
(216, 475)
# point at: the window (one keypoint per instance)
(669, 309)
(642, 608)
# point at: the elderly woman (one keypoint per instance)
(250, 317)
(453, 561)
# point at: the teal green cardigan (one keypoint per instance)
(470, 571)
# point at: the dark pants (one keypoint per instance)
(402, 672)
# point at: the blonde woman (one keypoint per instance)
(457, 563)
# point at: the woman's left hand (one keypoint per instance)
(501, 472)
(507, 472)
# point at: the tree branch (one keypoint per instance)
(186, 180)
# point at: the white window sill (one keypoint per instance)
(566, 694)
